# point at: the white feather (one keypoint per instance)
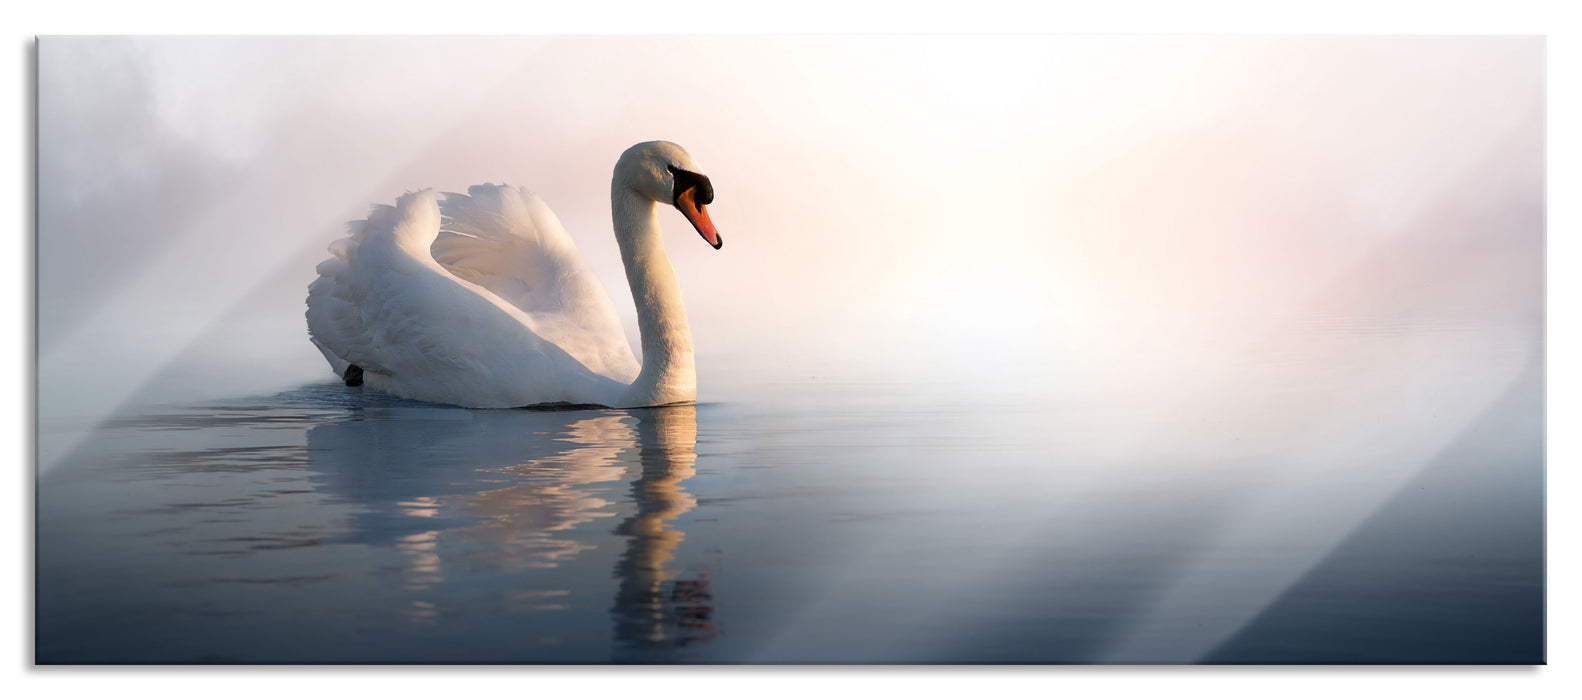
(483, 300)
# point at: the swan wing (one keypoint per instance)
(507, 240)
(382, 303)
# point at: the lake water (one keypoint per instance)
(1378, 499)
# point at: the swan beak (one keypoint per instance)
(699, 217)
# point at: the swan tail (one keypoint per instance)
(335, 321)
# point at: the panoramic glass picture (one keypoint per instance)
(790, 350)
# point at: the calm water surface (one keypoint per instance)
(1359, 515)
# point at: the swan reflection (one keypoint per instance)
(527, 496)
(524, 525)
(644, 616)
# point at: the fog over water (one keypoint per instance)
(1062, 212)
(1146, 341)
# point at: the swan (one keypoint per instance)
(481, 300)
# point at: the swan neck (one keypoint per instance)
(669, 374)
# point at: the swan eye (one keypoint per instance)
(686, 180)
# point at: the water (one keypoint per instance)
(1374, 499)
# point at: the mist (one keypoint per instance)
(1099, 215)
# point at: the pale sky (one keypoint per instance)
(1067, 211)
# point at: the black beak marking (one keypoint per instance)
(686, 180)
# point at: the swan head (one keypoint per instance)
(664, 172)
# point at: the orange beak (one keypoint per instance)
(699, 217)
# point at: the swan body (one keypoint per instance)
(482, 300)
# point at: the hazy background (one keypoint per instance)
(1108, 216)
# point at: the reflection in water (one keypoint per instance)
(667, 439)
(523, 523)
(1252, 522)
(513, 493)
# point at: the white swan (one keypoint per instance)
(482, 300)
